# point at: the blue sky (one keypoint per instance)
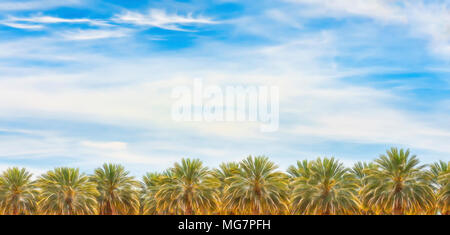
(89, 81)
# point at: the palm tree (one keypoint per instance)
(397, 185)
(327, 188)
(303, 169)
(220, 178)
(151, 182)
(17, 192)
(360, 170)
(65, 191)
(440, 176)
(258, 188)
(186, 190)
(118, 191)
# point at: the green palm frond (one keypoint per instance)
(64, 191)
(18, 193)
(328, 188)
(118, 190)
(258, 188)
(219, 179)
(398, 185)
(439, 173)
(186, 190)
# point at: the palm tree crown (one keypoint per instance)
(17, 192)
(360, 171)
(258, 188)
(65, 191)
(118, 194)
(185, 190)
(397, 185)
(220, 178)
(327, 188)
(440, 173)
(151, 182)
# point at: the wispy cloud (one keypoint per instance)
(92, 34)
(383, 10)
(161, 19)
(22, 26)
(55, 20)
(114, 145)
(427, 19)
(39, 22)
(108, 28)
(20, 5)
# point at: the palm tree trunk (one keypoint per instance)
(326, 212)
(188, 209)
(398, 210)
(108, 209)
(255, 210)
(15, 207)
(70, 209)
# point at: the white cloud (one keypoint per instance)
(93, 34)
(433, 22)
(114, 145)
(54, 20)
(424, 18)
(160, 19)
(54, 48)
(117, 152)
(313, 95)
(22, 26)
(16, 147)
(107, 28)
(38, 22)
(33, 170)
(18, 5)
(21, 146)
(383, 10)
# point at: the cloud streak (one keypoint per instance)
(21, 5)
(160, 19)
(39, 22)
(22, 26)
(118, 26)
(429, 20)
(93, 34)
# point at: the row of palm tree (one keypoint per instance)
(395, 183)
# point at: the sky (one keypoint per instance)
(84, 82)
